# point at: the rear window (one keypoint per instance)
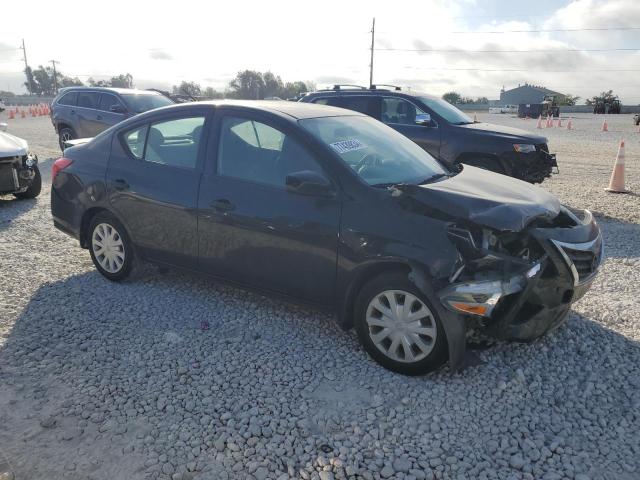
(88, 99)
(142, 103)
(68, 99)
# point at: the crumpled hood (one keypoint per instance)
(487, 199)
(507, 132)
(12, 146)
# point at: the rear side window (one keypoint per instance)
(88, 99)
(107, 101)
(367, 105)
(172, 142)
(69, 99)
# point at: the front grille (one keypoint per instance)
(8, 178)
(584, 261)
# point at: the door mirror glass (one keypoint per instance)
(307, 182)
(423, 119)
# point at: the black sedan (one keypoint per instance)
(335, 209)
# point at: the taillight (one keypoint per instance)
(58, 165)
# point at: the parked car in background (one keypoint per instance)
(2, 106)
(333, 208)
(19, 173)
(81, 112)
(447, 133)
(504, 109)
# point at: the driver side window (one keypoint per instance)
(257, 152)
(398, 111)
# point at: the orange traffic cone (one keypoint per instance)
(616, 184)
(605, 126)
(569, 125)
(539, 125)
(638, 130)
(23, 114)
(559, 122)
(11, 115)
(475, 118)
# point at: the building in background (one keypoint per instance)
(528, 94)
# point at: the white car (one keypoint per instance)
(19, 173)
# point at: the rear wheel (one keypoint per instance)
(110, 247)
(398, 327)
(34, 189)
(65, 134)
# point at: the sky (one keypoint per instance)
(328, 42)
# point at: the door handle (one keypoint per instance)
(223, 205)
(120, 184)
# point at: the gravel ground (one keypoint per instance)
(118, 381)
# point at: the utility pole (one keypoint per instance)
(373, 37)
(26, 67)
(55, 77)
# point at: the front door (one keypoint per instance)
(400, 114)
(251, 228)
(152, 180)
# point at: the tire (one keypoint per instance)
(64, 134)
(485, 163)
(106, 231)
(427, 350)
(34, 189)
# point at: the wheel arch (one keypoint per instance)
(485, 156)
(85, 221)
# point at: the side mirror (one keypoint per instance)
(307, 182)
(423, 119)
(3, 127)
(118, 109)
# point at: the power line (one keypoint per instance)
(521, 70)
(551, 50)
(547, 30)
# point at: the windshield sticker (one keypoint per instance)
(350, 145)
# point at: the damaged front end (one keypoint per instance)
(519, 285)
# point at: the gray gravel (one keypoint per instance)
(109, 381)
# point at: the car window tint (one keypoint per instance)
(88, 99)
(174, 142)
(257, 152)
(134, 139)
(321, 101)
(107, 101)
(68, 99)
(399, 111)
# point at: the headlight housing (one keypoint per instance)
(31, 160)
(524, 148)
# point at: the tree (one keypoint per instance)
(481, 100)
(248, 84)
(122, 81)
(64, 81)
(569, 100)
(192, 89)
(604, 97)
(452, 97)
(212, 93)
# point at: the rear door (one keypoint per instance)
(152, 181)
(400, 114)
(106, 117)
(86, 111)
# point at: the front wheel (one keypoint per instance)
(398, 327)
(110, 247)
(34, 189)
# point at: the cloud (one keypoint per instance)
(159, 54)
(334, 80)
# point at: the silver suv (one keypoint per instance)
(81, 112)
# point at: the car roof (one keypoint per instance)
(121, 91)
(295, 110)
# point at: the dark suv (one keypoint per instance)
(447, 133)
(80, 112)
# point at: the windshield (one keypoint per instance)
(380, 155)
(447, 111)
(142, 103)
